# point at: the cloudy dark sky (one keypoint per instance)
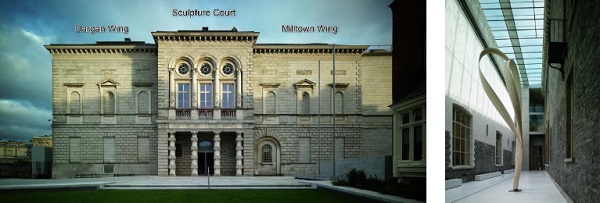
(25, 26)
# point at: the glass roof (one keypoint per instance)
(518, 27)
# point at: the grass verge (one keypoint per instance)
(278, 195)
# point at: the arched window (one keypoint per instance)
(109, 102)
(305, 103)
(143, 104)
(270, 103)
(75, 103)
(266, 154)
(339, 103)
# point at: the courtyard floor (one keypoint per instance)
(536, 187)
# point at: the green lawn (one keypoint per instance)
(283, 195)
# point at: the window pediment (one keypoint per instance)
(305, 83)
(108, 82)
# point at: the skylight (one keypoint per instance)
(518, 28)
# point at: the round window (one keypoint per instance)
(205, 69)
(183, 69)
(228, 69)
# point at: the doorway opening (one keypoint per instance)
(206, 158)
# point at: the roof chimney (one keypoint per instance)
(204, 29)
(128, 39)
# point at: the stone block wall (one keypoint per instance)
(379, 166)
(91, 150)
(485, 161)
(580, 176)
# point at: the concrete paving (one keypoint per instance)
(361, 193)
(536, 186)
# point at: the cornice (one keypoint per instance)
(100, 49)
(308, 49)
(188, 36)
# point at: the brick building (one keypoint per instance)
(216, 99)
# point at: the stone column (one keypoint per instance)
(238, 88)
(217, 96)
(171, 87)
(217, 155)
(193, 88)
(217, 89)
(172, 154)
(238, 154)
(194, 154)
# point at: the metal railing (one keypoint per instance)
(183, 113)
(228, 113)
(205, 113)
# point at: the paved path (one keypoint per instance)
(536, 187)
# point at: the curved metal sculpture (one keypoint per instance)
(511, 77)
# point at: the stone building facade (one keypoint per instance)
(477, 140)
(205, 101)
(569, 81)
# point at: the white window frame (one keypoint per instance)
(224, 92)
(177, 92)
(469, 152)
(205, 92)
(410, 125)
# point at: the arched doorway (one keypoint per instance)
(205, 157)
(267, 156)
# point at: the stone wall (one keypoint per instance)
(467, 34)
(580, 177)
(379, 166)
(91, 150)
(321, 145)
(485, 161)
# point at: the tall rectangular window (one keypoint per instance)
(512, 154)
(412, 134)
(74, 149)
(205, 96)
(405, 143)
(461, 137)
(498, 148)
(569, 118)
(109, 149)
(228, 96)
(183, 96)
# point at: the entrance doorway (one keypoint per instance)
(536, 152)
(206, 157)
